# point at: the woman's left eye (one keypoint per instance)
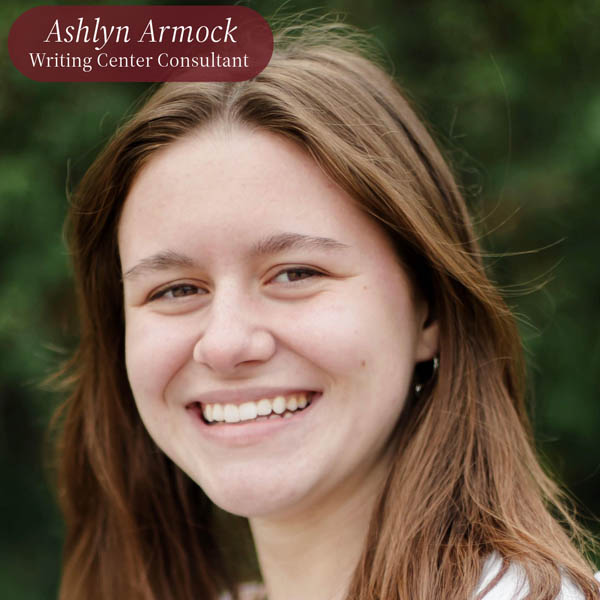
(180, 290)
(296, 274)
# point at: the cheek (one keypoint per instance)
(365, 334)
(155, 350)
(326, 331)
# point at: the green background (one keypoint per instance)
(511, 90)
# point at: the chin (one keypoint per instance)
(255, 498)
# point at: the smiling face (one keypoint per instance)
(249, 275)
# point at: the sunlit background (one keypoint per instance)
(511, 90)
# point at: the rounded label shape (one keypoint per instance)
(140, 43)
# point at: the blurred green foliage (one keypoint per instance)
(511, 90)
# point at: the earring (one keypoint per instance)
(435, 363)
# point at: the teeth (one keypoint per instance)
(248, 411)
(292, 403)
(217, 412)
(279, 405)
(232, 413)
(264, 407)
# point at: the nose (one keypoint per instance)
(233, 336)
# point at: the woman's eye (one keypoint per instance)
(177, 291)
(292, 275)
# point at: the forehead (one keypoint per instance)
(235, 186)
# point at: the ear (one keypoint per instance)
(428, 341)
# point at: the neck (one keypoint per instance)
(313, 552)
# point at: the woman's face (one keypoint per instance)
(251, 279)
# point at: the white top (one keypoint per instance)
(511, 586)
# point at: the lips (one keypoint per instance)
(229, 407)
(280, 406)
(264, 429)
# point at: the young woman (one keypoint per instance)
(285, 317)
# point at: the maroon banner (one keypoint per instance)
(140, 43)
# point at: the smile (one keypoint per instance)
(265, 408)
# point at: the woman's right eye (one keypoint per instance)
(180, 290)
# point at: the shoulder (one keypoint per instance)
(510, 583)
(503, 583)
(248, 591)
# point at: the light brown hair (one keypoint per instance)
(465, 481)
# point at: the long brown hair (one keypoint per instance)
(465, 481)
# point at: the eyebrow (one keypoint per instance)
(161, 261)
(294, 241)
(273, 244)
